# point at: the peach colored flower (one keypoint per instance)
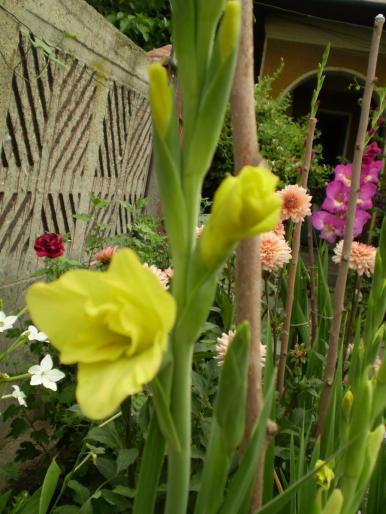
(105, 255)
(279, 229)
(199, 231)
(362, 257)
(222, 348)
(274, 251)
(377, 363)
(161, 275)
(169, 272)
(296, 203)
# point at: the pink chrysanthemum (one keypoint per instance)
(274, 251)
(296, 203)
(362, 257)
(161, 275)
(199, 231)
(222, 348)
(105, 255)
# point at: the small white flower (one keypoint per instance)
(19, 395)
(34, 334)
(6, 322)
(44, 374)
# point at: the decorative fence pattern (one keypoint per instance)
(74, 119)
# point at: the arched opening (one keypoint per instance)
(338, 113)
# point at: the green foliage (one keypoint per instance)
(281, 141)
(146, 22)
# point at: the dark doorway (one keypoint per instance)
(334, 138)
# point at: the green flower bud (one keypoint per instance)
(347, 404)
(161, 98)
(334, 503)
(230, 28)
(243, 206)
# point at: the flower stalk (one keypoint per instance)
(340, 287)
(295, 247)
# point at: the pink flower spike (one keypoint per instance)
(296, 203)
(337, 195)
(366, 193)
(361, 218)
(343, 173)
(330, 226)
(370, 172)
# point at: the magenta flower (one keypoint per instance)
(370, 172)
(337, 194)
(330, 226)
(361, 218)
(343, 174)
(366, 193)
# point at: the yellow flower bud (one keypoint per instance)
(324, 475)
(243, 206)
(161, 98)
(230, 27)
(347, 404)
(114, 324)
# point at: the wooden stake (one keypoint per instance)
(248, 277)
(295, 246)
(340, 287)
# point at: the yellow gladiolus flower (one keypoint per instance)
(324, 475)
(243, 206)
(114, 324)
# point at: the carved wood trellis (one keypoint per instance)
(68, 127)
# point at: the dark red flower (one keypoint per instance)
(49, 245)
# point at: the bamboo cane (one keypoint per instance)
(340, 287)
(295, 246)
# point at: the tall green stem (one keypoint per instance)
(179, 462)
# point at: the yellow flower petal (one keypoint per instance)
(102, 386)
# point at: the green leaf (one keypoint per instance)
(232, 390)
(106, 467)
(126, 457)
(49, 485)
(151, 464)
(240, 486)
(106, 435)
(227, 423)
(66, 509)
(165, 419)
(4, 500)
(99, 203)
(124, 491)
(82, 493)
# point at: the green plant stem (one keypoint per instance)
(312, 268)
(19, 342)
(5, 378)
(179, 462)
